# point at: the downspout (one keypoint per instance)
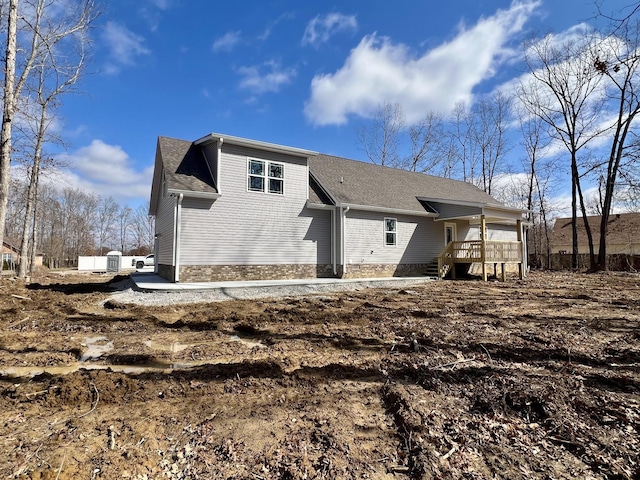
(343, 241)
(333, 242)
(176, 241)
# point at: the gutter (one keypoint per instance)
(245, 142)
(192, 193)
(398, 211)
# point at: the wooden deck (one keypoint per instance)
(480, 251)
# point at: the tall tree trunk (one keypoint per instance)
(34, 238)
(574, 215)
(8, 112)
(31, 194)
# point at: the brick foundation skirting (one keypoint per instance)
(386, 270)
(222, 273)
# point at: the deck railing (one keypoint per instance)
(471, 251)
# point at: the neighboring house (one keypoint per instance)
(623, 235)
(10, 256)
(230, 208)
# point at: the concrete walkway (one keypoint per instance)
(151, 282)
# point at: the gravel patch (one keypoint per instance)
(129, 295)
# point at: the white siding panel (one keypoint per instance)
(418, 239)
(164, 230)
(254, 228)
(502, 232)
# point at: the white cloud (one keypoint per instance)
(226, 42)
(323, 27)
(379, 70)
(269, 29)
(268, 77)
(105, 170)
(124, 46)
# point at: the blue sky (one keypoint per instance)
(298, 73)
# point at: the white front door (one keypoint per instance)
(449, 233)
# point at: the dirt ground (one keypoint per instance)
(537, 378)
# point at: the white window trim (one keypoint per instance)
(265, 177)
(395, 232)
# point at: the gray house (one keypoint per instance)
(230, 208)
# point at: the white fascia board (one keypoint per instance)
(245, 142)
(398, 211)
(192, 194)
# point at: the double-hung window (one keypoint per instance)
(264, 176)
(390, 231)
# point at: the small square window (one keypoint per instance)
(275, 186)
(256, 167)
(263, 176)
(276, 170)
(256, 184)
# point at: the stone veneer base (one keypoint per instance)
(222, 273)
(386, 270)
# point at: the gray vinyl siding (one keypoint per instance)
(418, 239)
(164, 229)
(254, 228)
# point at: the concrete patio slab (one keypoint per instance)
(150, 282)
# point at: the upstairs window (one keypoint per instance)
(263, 176)
(390, 231)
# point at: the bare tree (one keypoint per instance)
(124, 222)
(106, 221)
(617, 60)
(143, 229)
(50, 47)
(540, 170)
(426, 144)
(380, 140)
(10, 94)
(461, 155)
(564, 91)
(488, 131)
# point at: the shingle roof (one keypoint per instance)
(184, 166)
(359, 183)
(346, 181)
(623, 228)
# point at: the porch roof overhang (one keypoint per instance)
(371, 208)
(493, 213)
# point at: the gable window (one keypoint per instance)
(263, 176)
(390, 231)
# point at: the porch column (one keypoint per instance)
(522, 250)
(483, 245)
